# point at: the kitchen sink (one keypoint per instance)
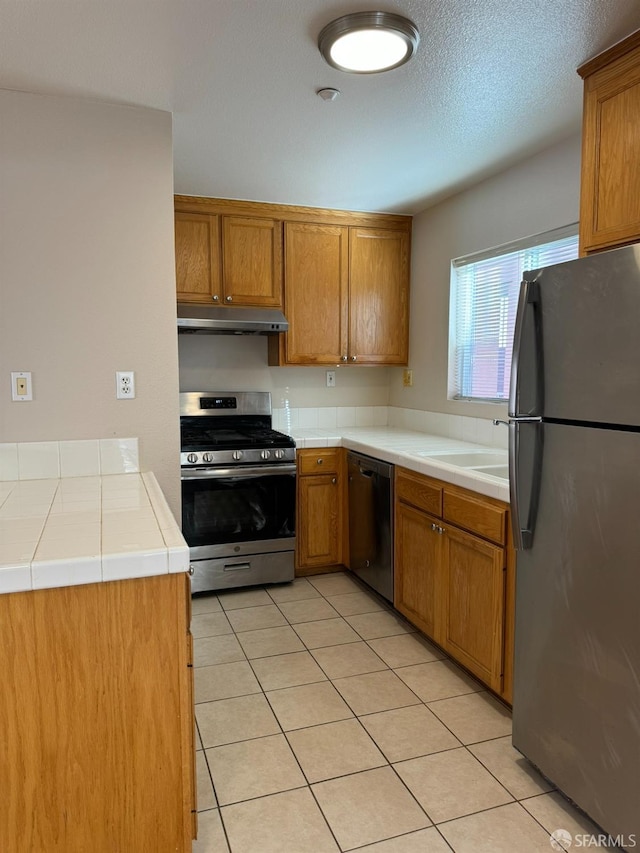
(471, 459)
(501, 471)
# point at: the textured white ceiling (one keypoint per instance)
(493, 81)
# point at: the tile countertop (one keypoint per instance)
(77, 530)
(408, 449)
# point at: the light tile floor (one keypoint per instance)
(327, 723)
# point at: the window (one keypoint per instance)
(484, 299)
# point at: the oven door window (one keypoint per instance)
(237, 509)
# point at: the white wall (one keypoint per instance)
(537, 195)
(87, 283)
(239, 363)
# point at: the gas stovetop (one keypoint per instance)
(230, 429)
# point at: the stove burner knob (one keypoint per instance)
(192, 457)
(237, 454)
(207, 457)
(279, 454)
(265, 454)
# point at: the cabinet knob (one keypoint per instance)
(319, 461)
(229, 298)
(334, 480)
(216, 298)
(343, 358)
(434, 527)
(354, 357)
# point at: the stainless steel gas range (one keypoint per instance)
(238, 490)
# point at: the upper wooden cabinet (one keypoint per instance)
(252, 261)
(378, 296)
(346, 295)
(316, 292)
(345, 275)
(610, 187)
(224, 258)
(198, 268)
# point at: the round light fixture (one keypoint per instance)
(368, 42)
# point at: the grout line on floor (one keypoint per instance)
(386, 668)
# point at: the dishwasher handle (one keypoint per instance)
(368, 466)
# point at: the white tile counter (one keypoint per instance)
(77, 530)
(408, 448)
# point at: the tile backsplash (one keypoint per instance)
(43, 460)
(474, 430)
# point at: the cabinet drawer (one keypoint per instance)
(419, 491)
(318, 461)
(476, 515)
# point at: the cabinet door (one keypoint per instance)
(610, 189)
(96, 718)
(475, 604)
(315, 274)
(252, 261)
(197, 246)
(320, 513)
(418, 577)
(378, 296)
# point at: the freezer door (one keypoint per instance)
(576, 707)
(580, 350)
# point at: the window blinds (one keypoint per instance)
(485, 290)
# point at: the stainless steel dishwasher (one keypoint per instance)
(371, 521)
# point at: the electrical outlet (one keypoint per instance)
(407, 377)
(125, 385)
(21, 387)
(331, 379)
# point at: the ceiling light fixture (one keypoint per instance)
(368, 42)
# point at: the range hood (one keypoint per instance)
(222, 320)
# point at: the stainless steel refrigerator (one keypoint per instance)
(574, 442)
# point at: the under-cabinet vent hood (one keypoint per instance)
(220, 320)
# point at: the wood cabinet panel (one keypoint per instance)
(318, 461)
(378, 296)
(252, 261)
(475, 514)
(316, 292)
(509, 618)
(346, 295)
(320, 515)
(457, 586)
(197, 248)
(95, 752)
(418, 491)
(418, 576)
(475, 605)
(610, 180)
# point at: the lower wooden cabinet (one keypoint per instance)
(96, 716)
(452, 582)
(320, 510)
(419, 570)
(474, 589)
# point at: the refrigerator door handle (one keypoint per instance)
(527, 301)
(524, 486)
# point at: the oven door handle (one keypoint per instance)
(239, 473)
